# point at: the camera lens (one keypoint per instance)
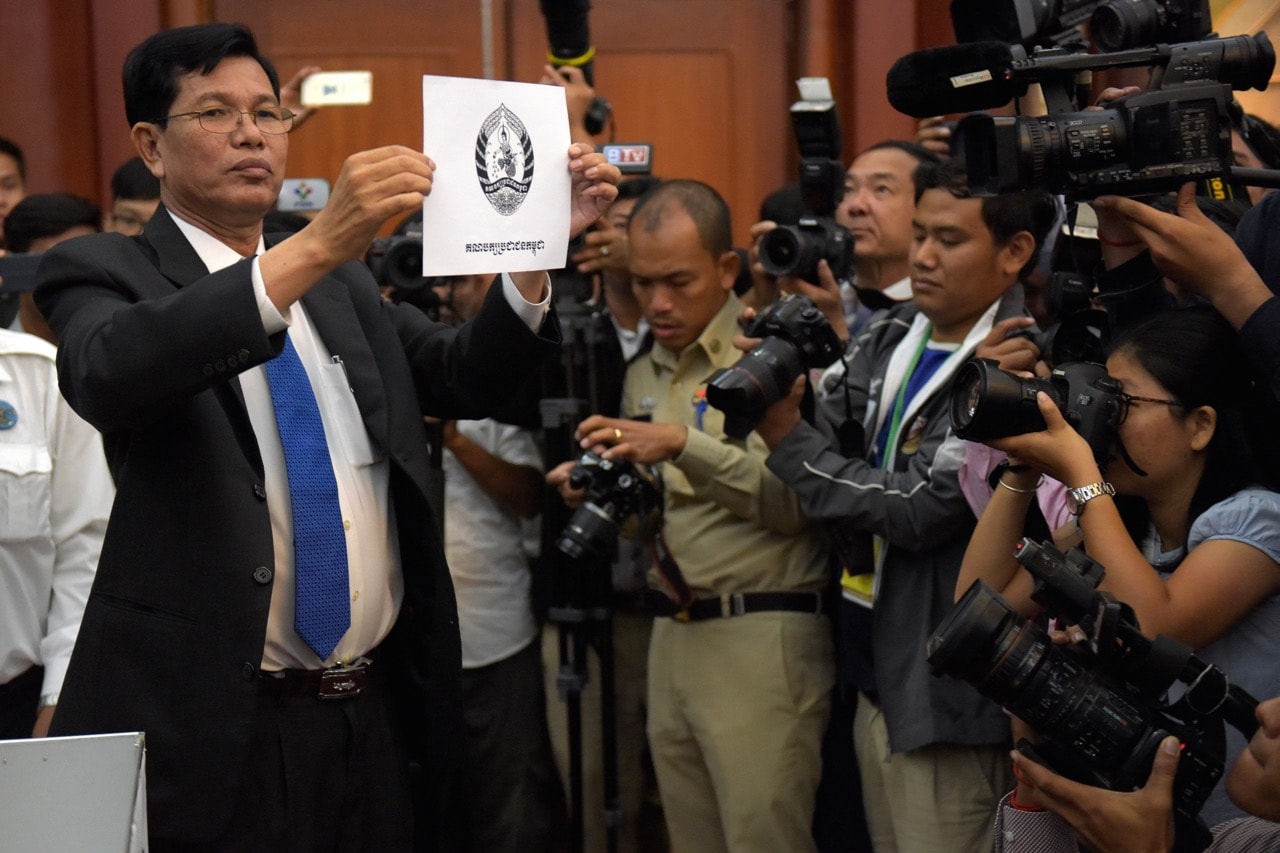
(784, 251)
(591, 530)
(1013, 661)
(404, 264)
(987, 402)
(1124, 25)
(756, 381)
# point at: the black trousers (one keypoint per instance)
(322, 775)
(18, 700)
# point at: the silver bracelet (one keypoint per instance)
(1029, 491)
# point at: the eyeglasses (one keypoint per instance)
(272, 120)
(1129, 399)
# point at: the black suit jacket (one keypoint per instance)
(151, 345)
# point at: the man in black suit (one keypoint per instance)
(257, 738)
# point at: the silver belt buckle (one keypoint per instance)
(344, 681)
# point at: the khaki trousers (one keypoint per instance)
(737, 709)
(939, 797)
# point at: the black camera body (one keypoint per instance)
(794, 250)
(797, 337)
(1155, 141)
(396, 261)
(987, 402)
(619, 497)
(1100, 709)
(1111, 24)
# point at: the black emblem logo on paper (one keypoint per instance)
(504, 160)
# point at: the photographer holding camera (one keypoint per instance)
(1055, 813)
(1182, 490)
(875, 207)
(932, 754)
(740, 668)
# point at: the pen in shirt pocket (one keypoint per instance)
(346, 377)
(699, 407)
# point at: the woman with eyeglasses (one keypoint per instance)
(1180, 492)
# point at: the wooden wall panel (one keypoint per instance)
(398, 40)
(707, 81)
(46, 93)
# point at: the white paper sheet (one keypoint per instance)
(500, 195)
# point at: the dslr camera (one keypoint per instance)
(797, 337)
(794, 250)
(1178, 130)
(1100, 709)
(620, 497)
(396, 261)
(987, 402)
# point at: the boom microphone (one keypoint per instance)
(957, 78)
(981, 75)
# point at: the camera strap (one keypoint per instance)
(677, 588)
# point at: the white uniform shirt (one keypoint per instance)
(55, 497)
(485, 548)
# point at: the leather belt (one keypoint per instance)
(738, 604)
(342, 681)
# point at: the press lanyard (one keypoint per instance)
(900, 404)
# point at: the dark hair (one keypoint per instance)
(1033, 211)
(1194, 354)
(703, 205)
(47, 215)
(637, 186)
(912, 149)
(152, 69)
(784, 205)
(133, 181)
(1262, 137)
(11, 148)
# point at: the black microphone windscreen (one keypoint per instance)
(957, 78)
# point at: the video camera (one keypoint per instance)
(987, 402)
(795, 250)
(797, 337)
(1101, 711)
(620, 497)
(1111, 24)
(1178, 130)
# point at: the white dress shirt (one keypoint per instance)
(361, 469)
(55, 497)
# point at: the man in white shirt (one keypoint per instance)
(55, 496)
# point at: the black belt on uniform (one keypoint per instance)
(737, 604)
(343, 681)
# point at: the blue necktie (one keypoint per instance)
(322, 598)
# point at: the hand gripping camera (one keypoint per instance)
(987, 402)
(1101, 711)
(796, 249)
(620, 497)
(797, 337)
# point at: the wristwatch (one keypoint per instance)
(1077, 498)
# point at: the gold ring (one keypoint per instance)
(617, 434)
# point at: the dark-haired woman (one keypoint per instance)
(1180, 492)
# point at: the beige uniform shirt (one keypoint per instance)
(730, 523)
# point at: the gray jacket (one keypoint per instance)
(916, 506)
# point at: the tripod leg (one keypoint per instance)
(613, 816)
